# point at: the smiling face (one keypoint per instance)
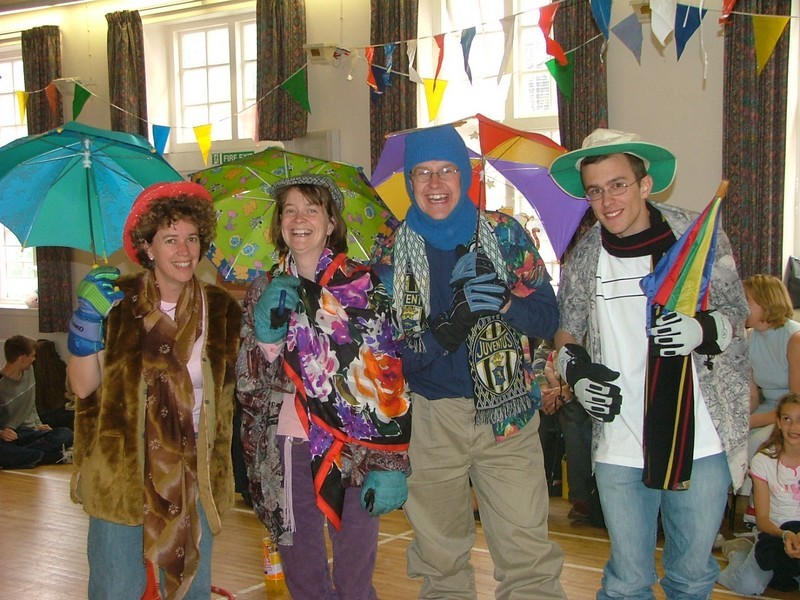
(305, 227)
(175, 252)
(438, 197)
(622, 215)
(788, 421)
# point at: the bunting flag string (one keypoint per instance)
(667, 16)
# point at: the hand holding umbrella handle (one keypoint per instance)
(274, 308)
(97, 295)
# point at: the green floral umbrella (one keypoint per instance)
(242, 249)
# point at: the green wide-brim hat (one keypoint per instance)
(660, 162)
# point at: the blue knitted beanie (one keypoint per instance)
(445, 144)
(437, 143)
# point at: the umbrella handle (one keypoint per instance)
(281, 304)
(722, 190)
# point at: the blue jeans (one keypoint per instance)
(116, 561)
(690, 519)
(743, 575)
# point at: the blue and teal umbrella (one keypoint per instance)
(73, 186)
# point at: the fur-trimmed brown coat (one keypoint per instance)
(109, 424)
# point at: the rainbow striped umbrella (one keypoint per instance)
(680, 280)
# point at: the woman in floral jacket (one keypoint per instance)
(326, 416)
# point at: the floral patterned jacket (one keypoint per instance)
(340, 354)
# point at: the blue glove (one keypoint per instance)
(590, 382)
(97, 295)
(275, 306)
(471, 264)
(383, 491)
(486, 294)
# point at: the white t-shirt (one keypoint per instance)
(621, 316)
(784, 487)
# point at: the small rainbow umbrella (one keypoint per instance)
(680, 280)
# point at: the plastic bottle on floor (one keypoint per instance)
(274, 579)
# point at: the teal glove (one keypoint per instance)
(97, 295)
(273, 309)
(383, 491)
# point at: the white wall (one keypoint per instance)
(666, 101)
(669, 102)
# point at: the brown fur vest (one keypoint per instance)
(109, 424)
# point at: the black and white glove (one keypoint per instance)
(590, 382)
(677, 334)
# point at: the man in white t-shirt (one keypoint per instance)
(668, 391)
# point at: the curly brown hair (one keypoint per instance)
(320, 196)
(164, 212)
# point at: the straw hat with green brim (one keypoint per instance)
(660, 162)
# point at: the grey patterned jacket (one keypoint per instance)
(725, 387)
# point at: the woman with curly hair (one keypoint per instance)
(326, 417)
(152, 364)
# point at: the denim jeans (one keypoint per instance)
(690, 518)
(743, 575)
(116, 561)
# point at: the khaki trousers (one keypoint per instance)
(448, 450)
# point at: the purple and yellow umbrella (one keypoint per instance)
(242, 249)
(500, 156)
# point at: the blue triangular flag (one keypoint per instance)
(467, 35)
(629, 31)
(160, 136)
(601, 10)
(687, 20)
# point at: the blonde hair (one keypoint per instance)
(771, 295)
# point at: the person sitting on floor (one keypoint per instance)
(25, 441)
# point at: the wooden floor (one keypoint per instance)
(43, 548)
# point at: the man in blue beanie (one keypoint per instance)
(469, 287)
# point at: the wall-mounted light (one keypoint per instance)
(641, 9)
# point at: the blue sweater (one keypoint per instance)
(436, 373)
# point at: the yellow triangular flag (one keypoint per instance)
(433, 96)
(22, 100)
(203, 135)
(767, 31)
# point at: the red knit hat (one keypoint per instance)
(148, 195)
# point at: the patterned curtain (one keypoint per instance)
(281, 26)
(588, 108)
(126, 77)
(396, 108)
(41, 64)
(753, 146)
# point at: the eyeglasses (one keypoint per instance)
(425, 175)
(595, 194)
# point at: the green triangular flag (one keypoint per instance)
(297, 86)
(564, 76)
(81, 96)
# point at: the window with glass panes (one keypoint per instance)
(17, 266)
(524, 98)
(17, 269)
(215, 79)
